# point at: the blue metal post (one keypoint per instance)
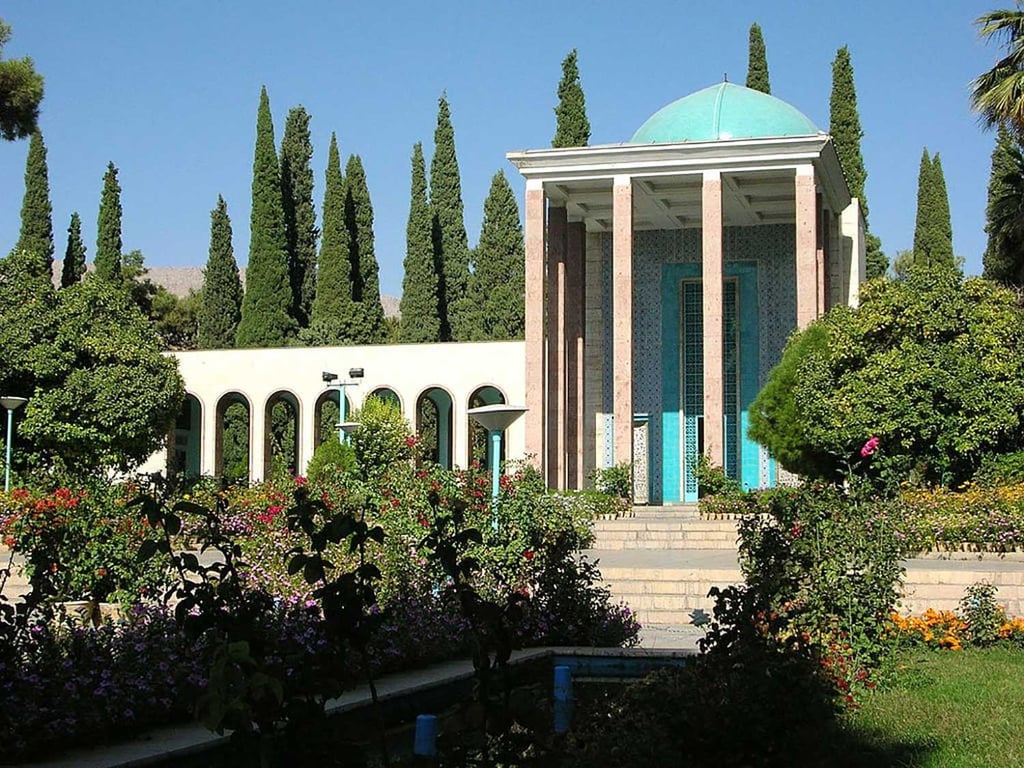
(563, 699)
(7, 466)
(495, 463)
(425, 742)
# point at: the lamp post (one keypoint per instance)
(331, 379)
(11, 403)
(496, 419)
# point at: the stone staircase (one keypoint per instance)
(662, 561)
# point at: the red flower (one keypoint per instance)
(423, 521)
(869, 448)
(300, 480)
(528, 554)
(410, 441)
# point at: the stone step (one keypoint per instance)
(664, 524)
(673, 510)
(677, 545)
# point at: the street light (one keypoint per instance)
(11, 403)
(496, 419)
(331, 379)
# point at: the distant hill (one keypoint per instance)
(181, 280)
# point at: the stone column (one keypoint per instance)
(535, 236)
(574, 354)
(208, 447)
(593, 356)
(622, 321)
(258, 438)
(307, 431)
(557, 224)
(806, 247)
(711, 280)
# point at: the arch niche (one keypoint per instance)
(281, 436)
(479, 445)
(434, 425)
(327, 416)
(232, 434)
(184, 459)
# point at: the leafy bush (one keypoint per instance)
(383, 437)
(932, 365)
(712, 480)
(1001, 469)
(614, 481)
(329, 459)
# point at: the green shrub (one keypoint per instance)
(981, 613)
(614, 481)
(1001, 469)
(383, 437)
(712, 480)
(329, 460)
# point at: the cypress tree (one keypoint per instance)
(220, 305)
(420, 319)
(332, 312)
(368, 327)
(266, 319)
(498, 282)
(451, 247)
(299, 215)
(1004, 255)
(572, 128)
(36, 235)
(933, 232)
(844, 125)
(757, 61)
(73, 269)
(108, 235)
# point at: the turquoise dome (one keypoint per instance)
(721, 112)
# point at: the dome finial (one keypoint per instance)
(725, 77)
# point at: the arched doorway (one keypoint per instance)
(434, 424)
(281, 438)
(184, 459)
(479, 445)
(231, 449)
(386, 393)
(328, 415)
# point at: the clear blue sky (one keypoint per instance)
(169, 91)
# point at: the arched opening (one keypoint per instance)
(327, 416)
(231, 450)
(386, 393)
(434, 424)
(281, 439)
(184, 459)
(479, 445)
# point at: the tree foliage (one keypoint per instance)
(572, 128)
(73, 269)
(368, 315)
(299, 214)
(332, 308)
(451, 246)
(933, 230)
(846, 131)
(100, 393)
(932, 365)
(1004, 254)
(36, 235)
(498, 285)
(757, 61)
(220, 305)
(108, 230)
(420, 316)
(998, 93)
(21, 91)
(266, 319)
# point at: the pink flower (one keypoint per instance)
(869, 448)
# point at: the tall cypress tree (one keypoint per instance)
(420, 319)
(369, 312)
(757, 61)
(299, 215)
(933, 231)
(108, 235)
(266, 319)
(451, 246)
(572, 128)
(36, 212)
(1004, 254)
(73, 269)
(220, 307)
(844, 125)
(498, 282)
(333, 310)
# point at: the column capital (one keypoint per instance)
(805, 170)
(712, 174)
(534, 185)
(622, 180)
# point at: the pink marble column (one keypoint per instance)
(711, 278)
(535, 236)
(622, 320)
(574, 354)
(806, 247)
(557, 223)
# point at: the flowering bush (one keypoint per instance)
(80, 543)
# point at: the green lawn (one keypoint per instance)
(949, 710)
